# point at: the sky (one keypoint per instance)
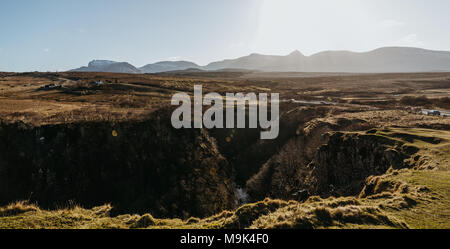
(57, 35)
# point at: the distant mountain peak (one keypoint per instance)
(166, 66)
(296, 53)
(100, 63)
(108, 67)
(255, 54)
(381, 60)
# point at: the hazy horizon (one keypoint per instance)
(220, 60)
(52, 35)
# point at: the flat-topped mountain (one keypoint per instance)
(165, 66)
(108, 67)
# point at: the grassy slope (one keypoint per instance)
(432, 210)
(428, 182)
(408, 198)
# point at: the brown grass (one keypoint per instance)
(18, 208)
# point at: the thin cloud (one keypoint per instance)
(411, 40)
(391, 23)
(237, 45)
(174, 58)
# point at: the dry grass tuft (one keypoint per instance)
(328, 213)
(144, 222)
(192, 220)
(382, 185)
(18, 208)
(244, 216)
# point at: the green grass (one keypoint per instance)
(428, 182)
(432, 210)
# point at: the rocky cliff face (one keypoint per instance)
(150, 167)
(340, 167)
(144, 166)
(320, 160)
(287, 174)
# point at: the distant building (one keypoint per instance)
(434, 112)
(96, 83)
(431, 112)
(51, 86)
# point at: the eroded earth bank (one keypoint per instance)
(339, 170)
(341, 165)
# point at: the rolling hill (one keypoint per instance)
(382, 60)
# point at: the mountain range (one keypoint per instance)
(387, 59)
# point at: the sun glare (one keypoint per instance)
(307, 24)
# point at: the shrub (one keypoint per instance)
(415, 101)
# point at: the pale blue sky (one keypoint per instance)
(63, 34)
